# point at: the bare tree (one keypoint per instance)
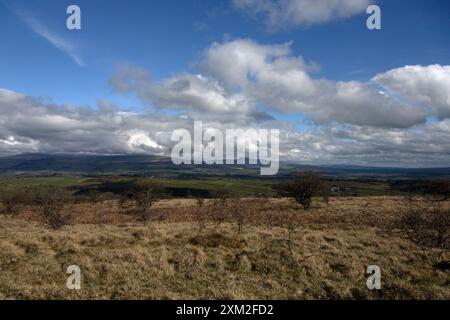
(141, 198)
(303, 187)
(12, 201)
(200, 214)
(239, 211)
(219, 204)
(428, 227)
(291, 224)
(51, 202)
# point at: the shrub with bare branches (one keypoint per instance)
(219, 205)
(141, 198)
(51, 202)
(200, 214)
(239, 211)
(303, 187)
(428, 227)
(12, 201)
(291, 225)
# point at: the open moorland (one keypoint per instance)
(238, 248)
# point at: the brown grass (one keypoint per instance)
(171, 259)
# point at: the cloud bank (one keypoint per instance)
(240, 76)
(401, 117)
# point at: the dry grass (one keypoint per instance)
(171, 259)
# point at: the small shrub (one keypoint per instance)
(51, 202)
(428, 227)
(200, 214)
(303, 187)
(13, 201)
(291, 225)
(141, 198)
(219, 205)
(239, 211)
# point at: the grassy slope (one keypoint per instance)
(167, 260)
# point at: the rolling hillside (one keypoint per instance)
(163, 167)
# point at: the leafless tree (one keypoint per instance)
(239, 211)
(51, 202)
(428, 226)
(200, 214)
(303, 187)
(291, 225)
(219, 205)
(12, 201)
(141, 198)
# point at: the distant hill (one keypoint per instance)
(35, 163)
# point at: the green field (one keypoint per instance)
(12, 182)
(187, 186)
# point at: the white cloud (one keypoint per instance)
(283, 14)
(426, 85)
(140, 139)
(201, 97)
(272, 75)
(110, 130)
(426, 145)
(241, 76)
(240, 84)
(29, 124)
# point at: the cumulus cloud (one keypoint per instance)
(383, 121)
(242, 81)
(201, 97)
(29, 124)
(283, 14)
(235, 62)
(426, 85)
(239, 84)
(274, 76)
(426, 145)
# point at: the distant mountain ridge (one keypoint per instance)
(38, 163)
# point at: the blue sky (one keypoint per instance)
(341, 92)
(166, 37)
